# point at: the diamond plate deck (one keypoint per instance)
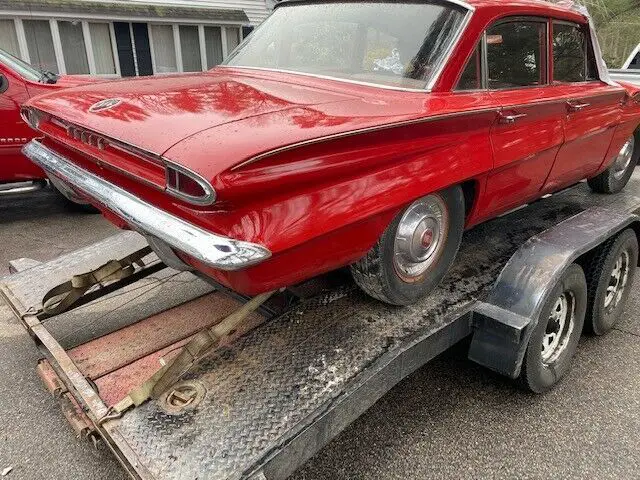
(286, 389)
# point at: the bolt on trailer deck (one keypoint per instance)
(262, 405)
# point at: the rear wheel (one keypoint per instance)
(555, 338)
(618, 174)
(415, 251)
(609, 277)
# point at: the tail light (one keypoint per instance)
(189, 186)
(32, 117)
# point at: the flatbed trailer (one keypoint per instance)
(263, 405)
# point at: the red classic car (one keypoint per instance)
(367, 134)
(20, 81)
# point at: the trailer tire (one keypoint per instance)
(616, 177)
(548, 356)
(415, 251)
(609, 289)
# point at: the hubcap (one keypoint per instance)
(559, 328)
(623, 159)
(420, 237)
(617, 281)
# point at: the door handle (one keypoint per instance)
(577, 107)
(510, 119)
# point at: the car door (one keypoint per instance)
(14, 133)
(592, 108)
(527, 133)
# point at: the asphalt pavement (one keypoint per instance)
(451, 419)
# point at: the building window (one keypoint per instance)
(190, 48)
(233, 38)
(164, 49)
(73, 47)
(213, 46)
(8, 38)
(102, 48)
(40, 45)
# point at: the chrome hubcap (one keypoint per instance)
(617, 281)
(623, 159)
(559, 328)
(420, 237)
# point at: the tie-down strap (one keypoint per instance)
(200, 345)
(63, 297)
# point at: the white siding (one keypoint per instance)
(256, 10)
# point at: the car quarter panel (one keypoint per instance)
(14, 133)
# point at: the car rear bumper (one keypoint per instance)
(211, 249)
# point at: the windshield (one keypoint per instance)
(393, 44)
(21, 68)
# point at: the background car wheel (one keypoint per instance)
(75, 206)
(618, 174)
(610, 275)
(555, 338)
(415, 251)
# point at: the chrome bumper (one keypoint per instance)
(214, 250)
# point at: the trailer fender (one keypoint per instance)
(504, 321)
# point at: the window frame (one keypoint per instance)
(57, 43)
(484, 56)
(201, 36)
(588, 44)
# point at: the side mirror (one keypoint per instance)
(4, 83)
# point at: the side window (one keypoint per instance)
(635, 63)
(471, 78)
(573, 58)
(516, 54)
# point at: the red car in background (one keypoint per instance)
(368, 134)
(19, 82)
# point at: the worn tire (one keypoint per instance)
(376, 274)
(606, 182)
(536, 375)
(600, 319)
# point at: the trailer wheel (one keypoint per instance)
(618, 174)
(610, 274)
(555, 338)
(415, 251)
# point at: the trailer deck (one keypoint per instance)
(264, 405)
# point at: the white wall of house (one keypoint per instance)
(68, 42)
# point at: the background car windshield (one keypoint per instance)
(395, 44)
(21, 68)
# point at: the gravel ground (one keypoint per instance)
(451, 419)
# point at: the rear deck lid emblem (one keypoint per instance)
(104, 105)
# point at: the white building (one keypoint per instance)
(128, 37)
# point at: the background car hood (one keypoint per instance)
(155, 113)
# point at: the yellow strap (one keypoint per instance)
(62, 297)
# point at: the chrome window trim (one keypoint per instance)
(428, 86)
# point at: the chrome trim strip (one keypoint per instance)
(326, 77)
(444, 61)
(359, 131)
(214, 250)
